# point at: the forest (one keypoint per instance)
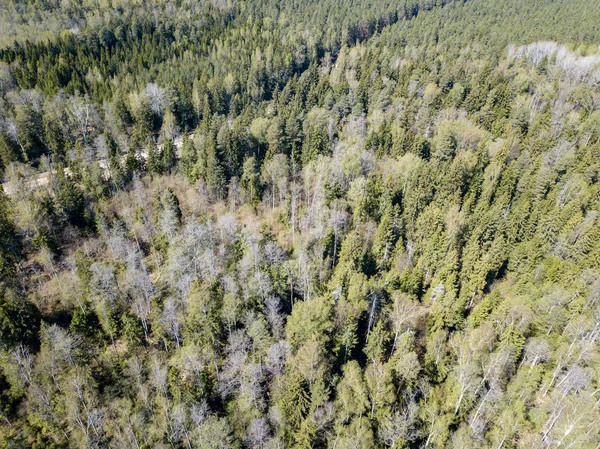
(299, 224)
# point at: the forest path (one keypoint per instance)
(43, 179)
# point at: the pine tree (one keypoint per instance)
(9, 239)
(70, 199)
(154, 163)
(168, 155)
(209, 167)
(249, 182)
(9, 150)
(189, 158)
(19, 321)
(30, 131)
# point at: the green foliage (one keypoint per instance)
(249, 181)
(9, 239)
(132, 331)
(19, 321)
(84, 321)
(69, 200)
(168, 156)
(306, 224)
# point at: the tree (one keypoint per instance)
(132, 331)
(293, 400)
(189, 157)
(9, 239)
(85, 322)
(308, 319)
(378, 380)
(399, 427)
(215, 433)
(29, 131)
(19, 321)
(200, 98)
(170, 203)
(105, 294)
(386, 237)
(70, 200)
(275, 173)
(227, 140)
(154, 162)
(82, 114)
(156, 98)
(274, 137)
(422, 270)
(352, 393)
(169, 125)
(143, 117)
(10, 151)
(202, 323)
(249, 182)
(209, 168)
(168, 155)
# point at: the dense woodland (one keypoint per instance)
(300, 223)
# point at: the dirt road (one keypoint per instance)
(43, 179)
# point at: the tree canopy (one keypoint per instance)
(330, 224)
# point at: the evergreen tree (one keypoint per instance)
(168, 155)
(249, 182)
(9, 239)
(19, 321)
(189, 157)
(70, 200)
